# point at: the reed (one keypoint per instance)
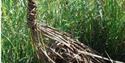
(99, 24)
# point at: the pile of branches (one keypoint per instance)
(64, 49)
(55, 46)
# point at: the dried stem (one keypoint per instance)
(31, 14)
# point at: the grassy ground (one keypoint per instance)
(97, 23)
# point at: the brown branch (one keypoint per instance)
(31, 14)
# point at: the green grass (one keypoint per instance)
(99, 24)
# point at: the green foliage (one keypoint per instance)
(16, 40)
(97, 23)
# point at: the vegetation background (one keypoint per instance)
(99, 24)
